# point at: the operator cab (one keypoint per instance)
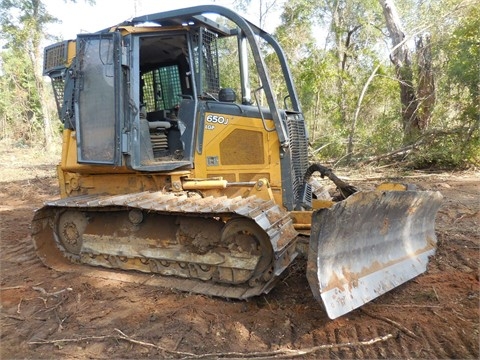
(170, 72)
(161, 83)
(137, 94)
(140, 95)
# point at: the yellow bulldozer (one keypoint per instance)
(185, 165)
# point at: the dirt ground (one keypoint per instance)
(45, 314)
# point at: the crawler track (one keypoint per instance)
(234, 248)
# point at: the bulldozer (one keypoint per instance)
(185, 165)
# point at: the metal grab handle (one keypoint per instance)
(260, 111)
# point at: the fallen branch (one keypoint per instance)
(441, 317)
(12, 287)
(406, 306)
(133, 341)
(80, 339)
(121, 336)
(402, 151)
(436, 295)
(47, 294)
(289, 353)
(19, 318)
(278, 354)
(424, 140)
(391, 322)
(18, 306)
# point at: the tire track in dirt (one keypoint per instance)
(405, 350)
(363, 332)
(438, 346)
(341, 353)
(465, 263)
(20, 255)
(380, 349)
(359, 353)
(469, 346)
(22, 248)
(455, 346)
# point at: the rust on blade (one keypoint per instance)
(368, 244)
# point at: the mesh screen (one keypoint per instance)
(148, 90)
(210, 62)
(55, 57)
(58, 83)
(96, 118)
(161, 88)
(206, 61)
(234, 152)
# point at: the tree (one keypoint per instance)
(23, 26)
(21, 81)
(401, 58)
(332, 77)
(445, 72)
(426, 81)
(265, 7)
(456, 56)
(463, 66)
(305, 59)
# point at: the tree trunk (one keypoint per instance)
(400, 57)
(353, 124)
(36, 58)
(336, 26)
(426, 83)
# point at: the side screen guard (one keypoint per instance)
(98, 113)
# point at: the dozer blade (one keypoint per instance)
(369, 244)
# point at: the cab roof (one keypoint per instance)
(193, 17)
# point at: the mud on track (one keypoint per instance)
(434, 316)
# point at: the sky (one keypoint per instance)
(80, 17)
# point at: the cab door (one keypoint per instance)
(99, 98)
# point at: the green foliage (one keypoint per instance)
(448, 150)
(229, 69)
(21, 108)
(330, 79)
(456, 116)
(333, 48)
(24, 110)
(463, 66)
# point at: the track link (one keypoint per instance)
(234, 248)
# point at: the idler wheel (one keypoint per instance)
(244, 235)
(70, 228)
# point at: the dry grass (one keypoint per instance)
(25, 163)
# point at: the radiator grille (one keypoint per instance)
(242, 147)
(55, 57)
(299, 155)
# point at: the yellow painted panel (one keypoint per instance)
(242, 147)
(69, 159)
(230, 148)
